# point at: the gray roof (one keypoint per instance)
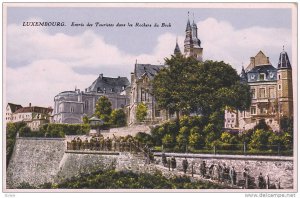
(262, 69)
(284, 61)
(109, 85)
(147, 69)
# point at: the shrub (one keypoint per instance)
(141, 112)
(168, 141)
(118, 118)
(260, 139)
(144, 138)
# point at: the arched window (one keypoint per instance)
(72, 109)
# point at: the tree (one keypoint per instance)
(169, 85)
(187, 85)
(168, 141)
(260, 139)
(103, 109)
(229, 141)
(144, 138)
(196, 140)
(25, 131)
(118, 118)
(141, 112)
(182, 137)
(85, 119)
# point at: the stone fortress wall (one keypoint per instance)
(37, 161)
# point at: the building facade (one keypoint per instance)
(10, 110)
(34, 116)
(271, 91)
(71, 106)
(144, 73)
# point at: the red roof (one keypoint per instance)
(35, 110)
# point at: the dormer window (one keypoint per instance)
(98, 89)
(262, 76)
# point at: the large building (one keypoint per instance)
(71, 106)
(271, 90)
(34, 116)
(144, 73)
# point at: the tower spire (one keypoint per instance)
(177, 49)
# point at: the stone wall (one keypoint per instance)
(278, 168)
(34, 161)
(37, 161)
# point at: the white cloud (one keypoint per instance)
(50, 59)
(40, 81)
(221, 41)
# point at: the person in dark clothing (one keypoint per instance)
(173, 163)
(185, 165)
(260, 181)
(164, 159)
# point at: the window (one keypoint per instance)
(279, 87)
(98, 89)
(86, 105)
(72, 109)
(253, 93)
(261, 76)
(272, 92)
(278, 76)
(262, 92)
(253, 110)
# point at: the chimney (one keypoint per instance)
(252, 61)
(101, 75)
(30, 104)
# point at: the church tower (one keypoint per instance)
(177, 49)
(284, 86)
(192, 45)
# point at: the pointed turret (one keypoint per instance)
(188, 26)
(177, 49)
(192, 45)
(285, 85)
(284, 62)
(243, 76)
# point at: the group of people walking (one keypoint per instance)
(101, 143)
(220, 172)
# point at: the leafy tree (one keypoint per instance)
(85, 119)
(103, 109)
(118, 118)
(210, 134)
(157, 134)
(11, 132)
(286, 124)
(168, 141)
(260, 139)
(25, 131)
(169, 85)
(229, 141)
(182, 138)
(287, 140)
(141, 112)
(196, 140)
(144, 138)
(199, 87)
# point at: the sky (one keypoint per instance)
(44, 61)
